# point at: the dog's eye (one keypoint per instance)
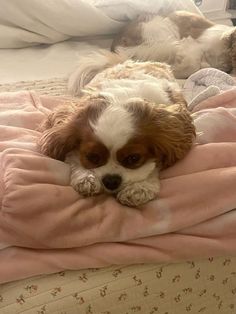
(93, 158)
(132, 160)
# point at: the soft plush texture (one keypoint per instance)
(204, 84)
(46, 226)
(206, 285)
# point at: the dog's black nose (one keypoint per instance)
(111, 181)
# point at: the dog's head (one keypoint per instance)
(121, 143)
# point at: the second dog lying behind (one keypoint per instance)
(130, 122)
(186, 41)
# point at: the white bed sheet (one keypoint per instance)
(45, 61)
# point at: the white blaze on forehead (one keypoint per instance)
(114, 127)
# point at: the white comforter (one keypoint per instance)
(28, 23)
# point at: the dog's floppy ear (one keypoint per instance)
(168, 130)
(57, 141)
(59, 132)
(66, 126)
(173, 133)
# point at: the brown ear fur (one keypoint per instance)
(57, 141)
(173, 133)
(190, 24)
(167, 129)
(228, 57)
(64, 128)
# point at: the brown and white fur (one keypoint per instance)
(186, 41)
(130, 122)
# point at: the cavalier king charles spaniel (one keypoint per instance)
(130, 122)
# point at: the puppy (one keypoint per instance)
(186, 41)
(130, 122)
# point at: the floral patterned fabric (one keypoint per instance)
(205, 287)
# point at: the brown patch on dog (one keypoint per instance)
(92, 153)
(68, 131)
(60, 115)
(167, 131)
(134, 154)
(190, 24)
(176, 96)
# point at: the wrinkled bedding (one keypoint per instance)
(45, 226)
(75, 28)
(31, 22)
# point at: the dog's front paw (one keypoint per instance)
(88, 185)
(137, 194)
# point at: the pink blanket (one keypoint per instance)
(45, 226)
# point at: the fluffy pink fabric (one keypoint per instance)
(45, 226)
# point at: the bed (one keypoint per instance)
(201, 284)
